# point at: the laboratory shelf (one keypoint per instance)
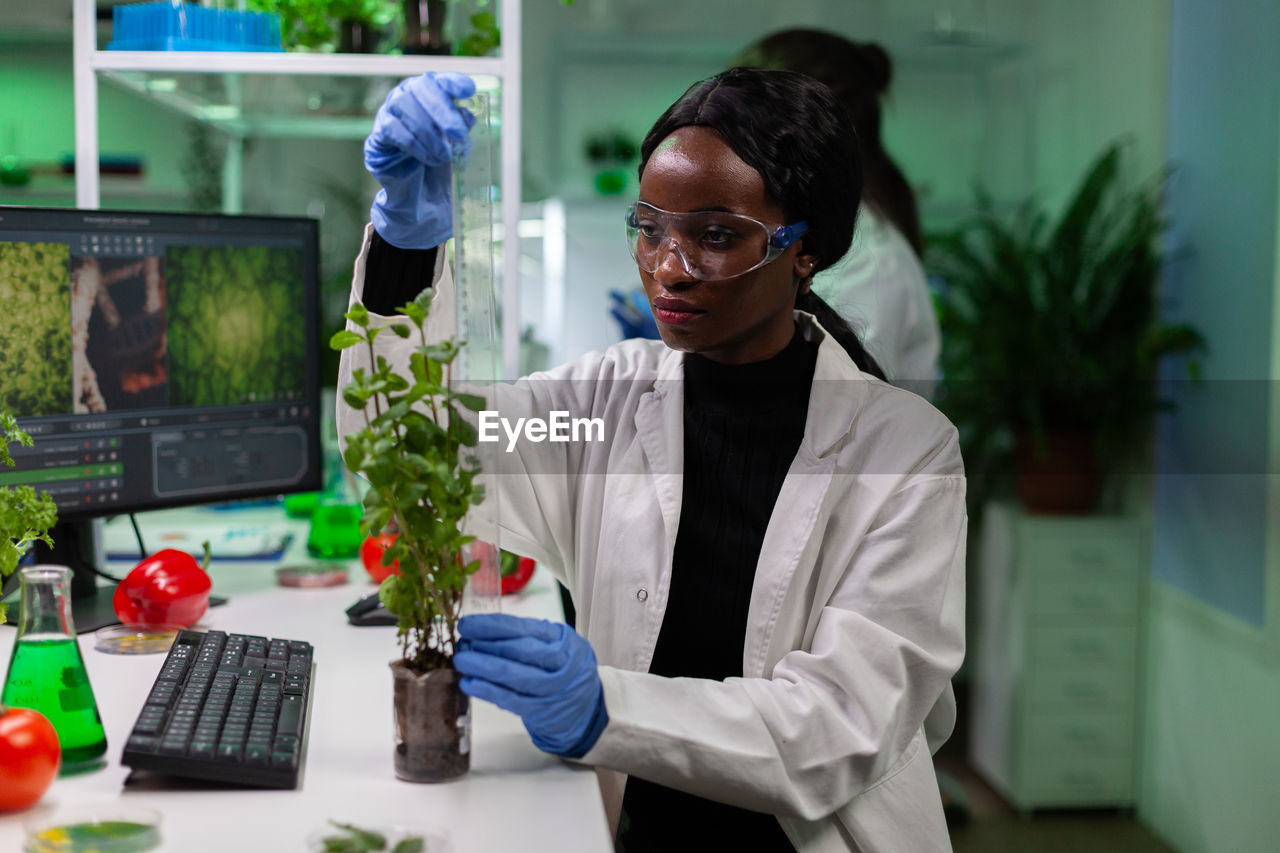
(333, 64)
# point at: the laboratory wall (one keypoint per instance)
(1211, 745)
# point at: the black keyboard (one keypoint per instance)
(229, 708)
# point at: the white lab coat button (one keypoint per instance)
(642, 594)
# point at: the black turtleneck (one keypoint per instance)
(742, 427)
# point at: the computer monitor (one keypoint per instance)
(156, 360)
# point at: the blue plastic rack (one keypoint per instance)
(186, 26)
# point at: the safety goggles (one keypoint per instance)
(711, 245)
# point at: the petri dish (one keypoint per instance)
(313, 575)
(105, 829)
(123, 640)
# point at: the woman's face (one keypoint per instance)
(738, 320)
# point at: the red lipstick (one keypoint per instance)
(675, 312)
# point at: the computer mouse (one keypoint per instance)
(369, 611)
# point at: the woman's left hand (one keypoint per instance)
(542, 671)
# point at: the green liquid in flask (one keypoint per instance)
(47, 674)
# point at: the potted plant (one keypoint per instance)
(1051, 335)
(362, 23)
(413, 452)
(24, 515)
(348, 26)
(610, 154)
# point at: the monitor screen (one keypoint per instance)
(159, 360)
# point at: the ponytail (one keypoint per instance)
(841, 331)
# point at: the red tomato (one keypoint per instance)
(29, 757)
(371, 555)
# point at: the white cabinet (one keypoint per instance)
(1056, 673)
(177, 78)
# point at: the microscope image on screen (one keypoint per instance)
(235, 334)
(118, 334)
(35, 353)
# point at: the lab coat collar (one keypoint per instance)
(839, 391)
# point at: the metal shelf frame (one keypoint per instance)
(90, 62)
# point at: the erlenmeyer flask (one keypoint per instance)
(46, 672)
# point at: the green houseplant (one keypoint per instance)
(24, 515)
(413, 452)
(344, 25)
(1051, 335)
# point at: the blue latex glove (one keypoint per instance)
(417, 132)
(633, 314)
(542, 671)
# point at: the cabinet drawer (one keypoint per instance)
(1083, 557)
(1099, 689)
(1077, 781)
(1087, 600)
(1077, 734)
(1082, 647)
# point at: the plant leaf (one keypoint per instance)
(474, 402)
(359, 315)
(343, 339)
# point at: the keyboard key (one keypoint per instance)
(290, 722)
(142, 743)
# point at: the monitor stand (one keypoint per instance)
(75, 545)
(94, 611)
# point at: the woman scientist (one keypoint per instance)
(769, 578)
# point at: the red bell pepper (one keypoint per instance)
(516, 572)
(169, 589)
(371, 552)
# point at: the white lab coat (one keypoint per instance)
(879, 288)
(856, 621)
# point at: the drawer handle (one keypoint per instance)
(1084, 690)
(1082, 735)
(1090, 648)
(1077, 777)
(1088, 556)
(1088, 601)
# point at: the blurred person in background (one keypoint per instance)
(879, 287)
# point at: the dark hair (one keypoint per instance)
(789, 128)
(858, 74)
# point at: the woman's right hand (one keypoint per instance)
(417, 133)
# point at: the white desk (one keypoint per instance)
(514, 798)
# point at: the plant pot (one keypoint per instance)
(1061, 476)
(358, 37)
(433, 725)
(424, 23)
